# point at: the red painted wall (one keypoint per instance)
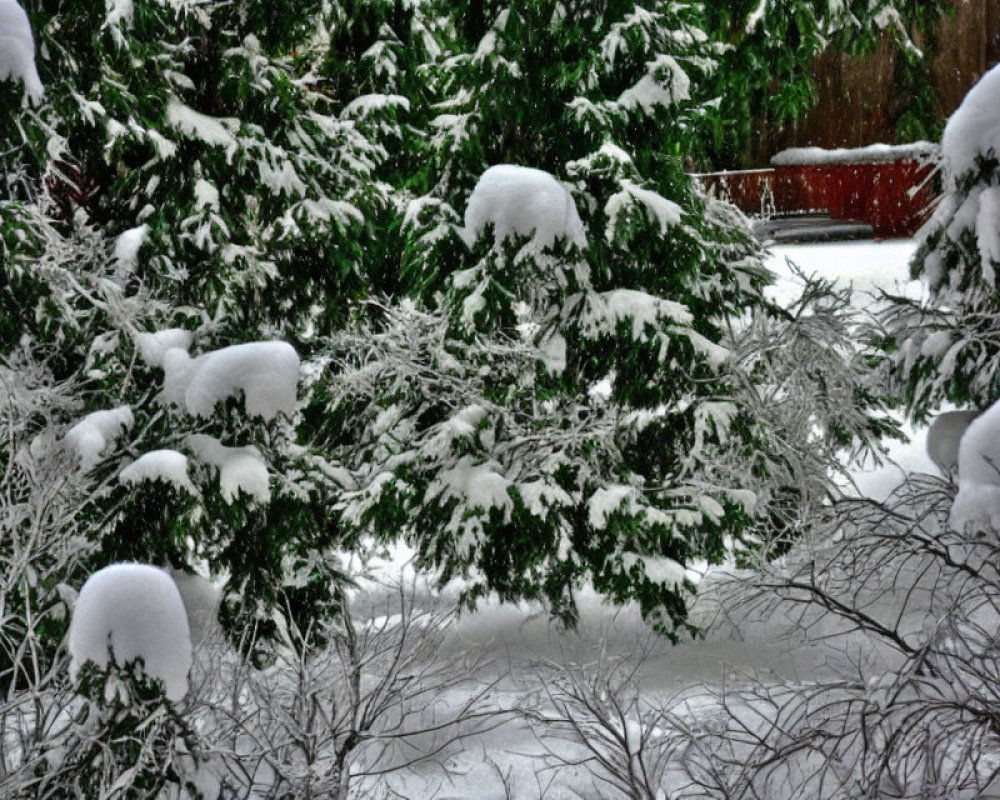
(893, 197)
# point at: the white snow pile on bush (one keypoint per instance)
(266, 373)
(137, 610)
(522, 201)
(944, 437)
(977, 503)
(127, 244)
(168, 466)
(17, 49)
(154, 346)
(241, 469)
(975, 127)
(96, 432)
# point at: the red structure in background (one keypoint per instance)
(889, 188)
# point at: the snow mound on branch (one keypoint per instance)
(213, 131)
(652, 91)
(977, 503)
(522, 201)
(153, 346)
(241, 469)
(127, 246)
(17, 49)
(159, 465)
(92, 435)
(267, 374)
(137, 611)
(944, 437)
(974, 128)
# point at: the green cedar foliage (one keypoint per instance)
(766, 81)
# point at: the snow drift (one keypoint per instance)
(522, 201)
(137, 611)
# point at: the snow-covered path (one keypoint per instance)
(868, 266)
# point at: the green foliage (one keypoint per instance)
(766, 79)
(279, 168)
(537, 417)
(207, 132)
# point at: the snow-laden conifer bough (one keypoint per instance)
(971, 135)
(17, 50)
(522, 201)
(137, 611)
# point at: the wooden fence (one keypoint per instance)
(858, 102)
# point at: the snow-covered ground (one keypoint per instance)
(515, 639)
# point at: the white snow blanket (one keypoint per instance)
(137, 611)
(978, 501)
(17, 49)
(525, 202)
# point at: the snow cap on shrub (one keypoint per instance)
(168, 466)
(267, 373)
(522, 201)
(17, 49)
(138, 611)
(154, 346)
(96, 432)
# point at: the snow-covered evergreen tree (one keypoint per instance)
(189, 182)
(945, 350)
(556, 401)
